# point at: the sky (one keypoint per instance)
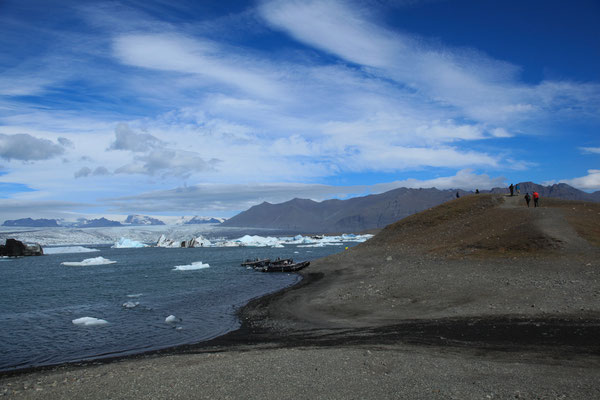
(208, 108)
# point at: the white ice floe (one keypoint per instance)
(135, 295)
(89, 321)
(131, 304)
(125, 243)
(191, 267)
(88, 261)
(171, 319)
(68, 249)
(261, 241)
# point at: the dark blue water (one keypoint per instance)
(39, 298)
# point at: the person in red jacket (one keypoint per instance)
(536, 199)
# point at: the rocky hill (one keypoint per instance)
(474, 259)
(373, 211)
(356, 214)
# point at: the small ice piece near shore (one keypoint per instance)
(171, 319)
(88, 261)
(89, 321)
(191, 267)
(68, 249)
(125, 243)
(131, 304)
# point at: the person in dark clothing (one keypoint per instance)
(527, 199)
(536, 199)
(476, 191)
(512, 189)
(457, 195)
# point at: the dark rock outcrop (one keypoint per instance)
(16, 248)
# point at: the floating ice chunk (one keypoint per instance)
(190, 267)
(131, 304)
(125, 243)
(135, 295)
(68, 249)
(89, 321)
(88, 261)
(259, 241)
(171, 319)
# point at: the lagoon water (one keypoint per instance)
(40, 299)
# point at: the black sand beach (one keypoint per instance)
(478, 298)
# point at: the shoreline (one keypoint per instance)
(488, 333)
(221, 340)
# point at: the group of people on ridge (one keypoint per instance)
(535, 195)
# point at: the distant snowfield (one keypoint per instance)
(95, 236)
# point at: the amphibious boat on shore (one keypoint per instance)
(278, 265)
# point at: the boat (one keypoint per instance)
(256, 263)
(284, 267)
(278, 265)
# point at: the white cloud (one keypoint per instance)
(201, 57)
(219, 198)
(480, 87)
(22, 146)
(465, 179)
(591, 181)
(590, 150)
(127, 139)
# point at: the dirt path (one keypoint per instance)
(552, 223)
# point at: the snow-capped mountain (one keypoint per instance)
(142, 220)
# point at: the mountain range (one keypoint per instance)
(372, 211)
(131, 220)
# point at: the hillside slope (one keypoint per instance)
(474, 257)
(372, 211)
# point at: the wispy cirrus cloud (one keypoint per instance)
(590, 150)
(481, 87)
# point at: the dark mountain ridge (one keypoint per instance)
(372, 211)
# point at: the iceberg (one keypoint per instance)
(89, 321)
(259, 241)
(171, 319)
(199, 241)
(131, 304)
(191, 267)
(125, 243)
(68, 249)
(88, 261)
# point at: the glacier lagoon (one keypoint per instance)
(143, 299)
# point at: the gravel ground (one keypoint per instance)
(508, 307)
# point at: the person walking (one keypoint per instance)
(536, 199)
(527, 199)
(512, 189)
(518, 187)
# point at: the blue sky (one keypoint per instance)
(207, 108)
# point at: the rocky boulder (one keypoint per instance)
(16, 248)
